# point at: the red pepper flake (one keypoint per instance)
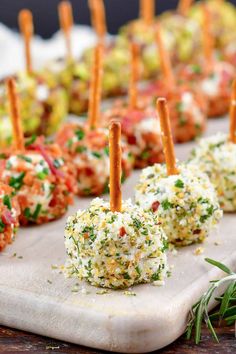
(196, 232)
(122, 231)
(155, 206)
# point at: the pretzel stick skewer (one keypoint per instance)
(166, 135)
(66, 22)
(96, 88)
(147, 11)
(98, 16)
(208, 40)
(134, 76)
(184, 6)
(233, 114)
(115, 166)
(18, 136)
(166, 67)
(25, 20)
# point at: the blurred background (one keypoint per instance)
(45, 13)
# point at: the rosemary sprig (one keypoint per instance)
(227, 302)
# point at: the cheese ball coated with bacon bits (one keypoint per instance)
(43, 181)
(186, 203)
(140, 129)
(215, 85)
(187, 110)
(89, 152)
(115, 249)
(9, 215)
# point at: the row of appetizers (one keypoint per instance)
(185, 53)
(121, 244)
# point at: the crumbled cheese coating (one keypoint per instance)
(216, 156)
(115, 250)
(186, 204)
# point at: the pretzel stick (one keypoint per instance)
(98, 18)
(13, 100)
(208, 40)
(184, 7)
(134, 75)
(115, 166)
(167, 140)
(95, 88)
(147, 11)
(25, 20)
(66, 22)
(165, 61)
(233, 114)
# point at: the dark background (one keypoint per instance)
(45, 12)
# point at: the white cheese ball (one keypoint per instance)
(115, 249)
(216, 156)
(186, 204)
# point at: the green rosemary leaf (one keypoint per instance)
(219, 265)
(214, 335)
(198, 323)
(226, 299)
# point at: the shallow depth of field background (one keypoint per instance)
(45, 12)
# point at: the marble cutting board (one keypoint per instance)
(36, 298)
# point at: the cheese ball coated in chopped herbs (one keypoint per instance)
(216, 156)
(42, 180)
(186, 203)
(115, 249)
(89, 152)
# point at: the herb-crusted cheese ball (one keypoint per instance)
(88, 149)
(216, 156)
(186, 204)
(140, 129)
(115, 249)
(43, 182)
(9, 215)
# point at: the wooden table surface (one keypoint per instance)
(15, 341)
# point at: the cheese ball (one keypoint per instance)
(223, 15)
(187, 109)
(9, 215)
(42, 108)
(43, 182)
(186, 204)
(215, 86)
(89, 152)
(140, 129)
(115, 249)
(184, 36)
(216, 156)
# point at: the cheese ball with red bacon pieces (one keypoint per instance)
(187, 109)
(214, 85)
(43, 181)
(9, 215)
(89, 151)
(140, 129)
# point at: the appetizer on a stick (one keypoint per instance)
(115, 245)
(187, 107)
(216, 156)
(44, 184)
(213, 78)
(9, 215)
(87, 144)
(139, 124)
(44, 106)
(182, 197)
